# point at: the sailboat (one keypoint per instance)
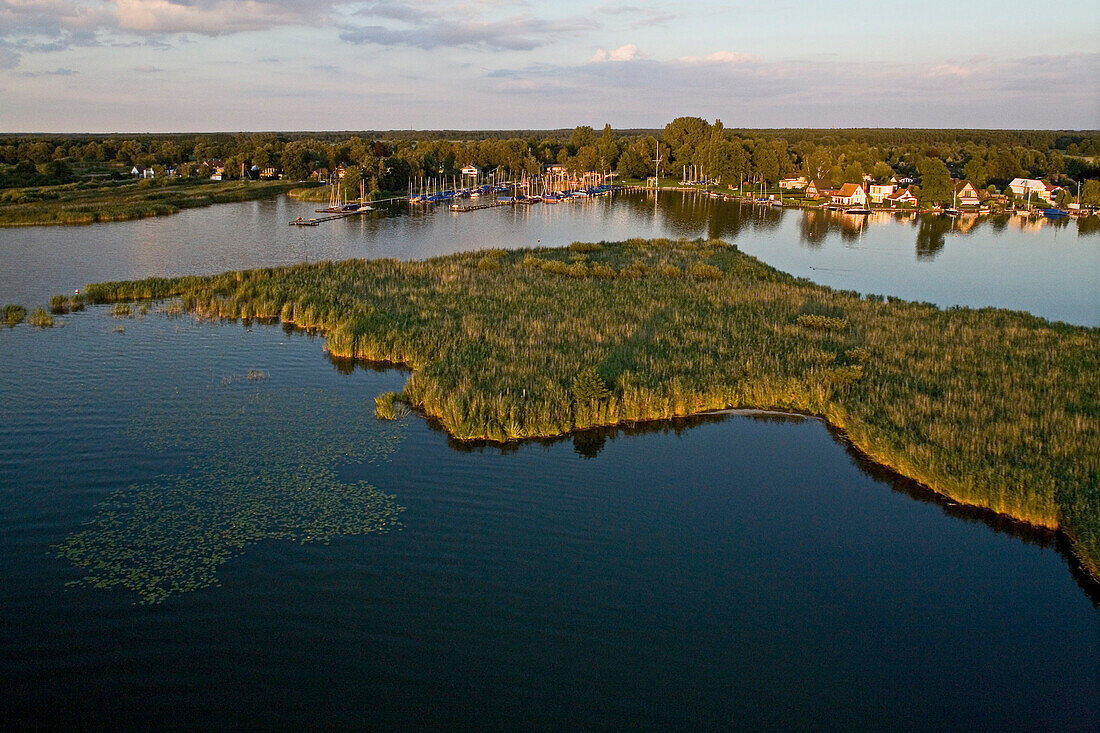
(953, 210)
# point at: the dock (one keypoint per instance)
(303, 222)
(479, 207)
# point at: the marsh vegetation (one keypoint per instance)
(76, 203)
(990, 407)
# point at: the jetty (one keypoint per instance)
(312, 222)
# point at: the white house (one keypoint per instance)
(471, 170)
(902, 196)
(851, 194)
(793, 183)
(1022, 187)
(879, 191)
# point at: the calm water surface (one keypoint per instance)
(1050, 268)
(724, 572)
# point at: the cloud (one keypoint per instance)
(622, 53)
(636, 17)
(55, 72)
(148, 69)
(721, 57)
(480, 28)
(213, 17)
(745, 90)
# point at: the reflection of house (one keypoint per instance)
(902, 197)
(851, 194)
(878, 192)
(793, 183)
(817, 188)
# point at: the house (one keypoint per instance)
(142, 172)
(902, 197)
(966, 194)
(818, 188)
(268, 173)
(793, 183)
(878, 192)
(1024, 187)
(851, 194)
(472, 171)
(216, 168)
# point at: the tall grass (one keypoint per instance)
(993, 408)
(133, 200)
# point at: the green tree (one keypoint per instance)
(632, 165)
(608, 149)
(589, 388)
(683, 136)
(935, 181)
(1090, 193)
(975, 172)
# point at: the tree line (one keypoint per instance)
(388, 161)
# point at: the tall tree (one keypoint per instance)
(936, 186)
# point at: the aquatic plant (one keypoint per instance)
(40, 318)
(990, 407)
(13, 314)
(262, 468)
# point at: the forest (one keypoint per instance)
(386, 161)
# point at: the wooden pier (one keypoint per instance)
(479, 207)
(303, 222)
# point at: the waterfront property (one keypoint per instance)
(879, 192)
(1027, 187)
(850, 194)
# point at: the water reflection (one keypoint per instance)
(1022, 263)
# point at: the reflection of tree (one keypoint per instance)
(589, 443)
(813, 227)
(1088, 225)
(931, 232)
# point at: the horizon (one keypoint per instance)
(523, 131)
(212, 66)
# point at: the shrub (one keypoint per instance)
(14, 314)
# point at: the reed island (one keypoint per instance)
(992, 408)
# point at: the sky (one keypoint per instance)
(221, 65)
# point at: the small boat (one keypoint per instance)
(950, 211)
(858, 210)
(1054, 213)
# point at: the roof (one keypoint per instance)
(849, 189)
(901, 193)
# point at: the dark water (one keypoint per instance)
(723, 572)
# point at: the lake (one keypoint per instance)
(727, 571)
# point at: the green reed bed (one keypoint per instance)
(132, 200)
(993, 408)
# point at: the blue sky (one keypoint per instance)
(201, 65)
